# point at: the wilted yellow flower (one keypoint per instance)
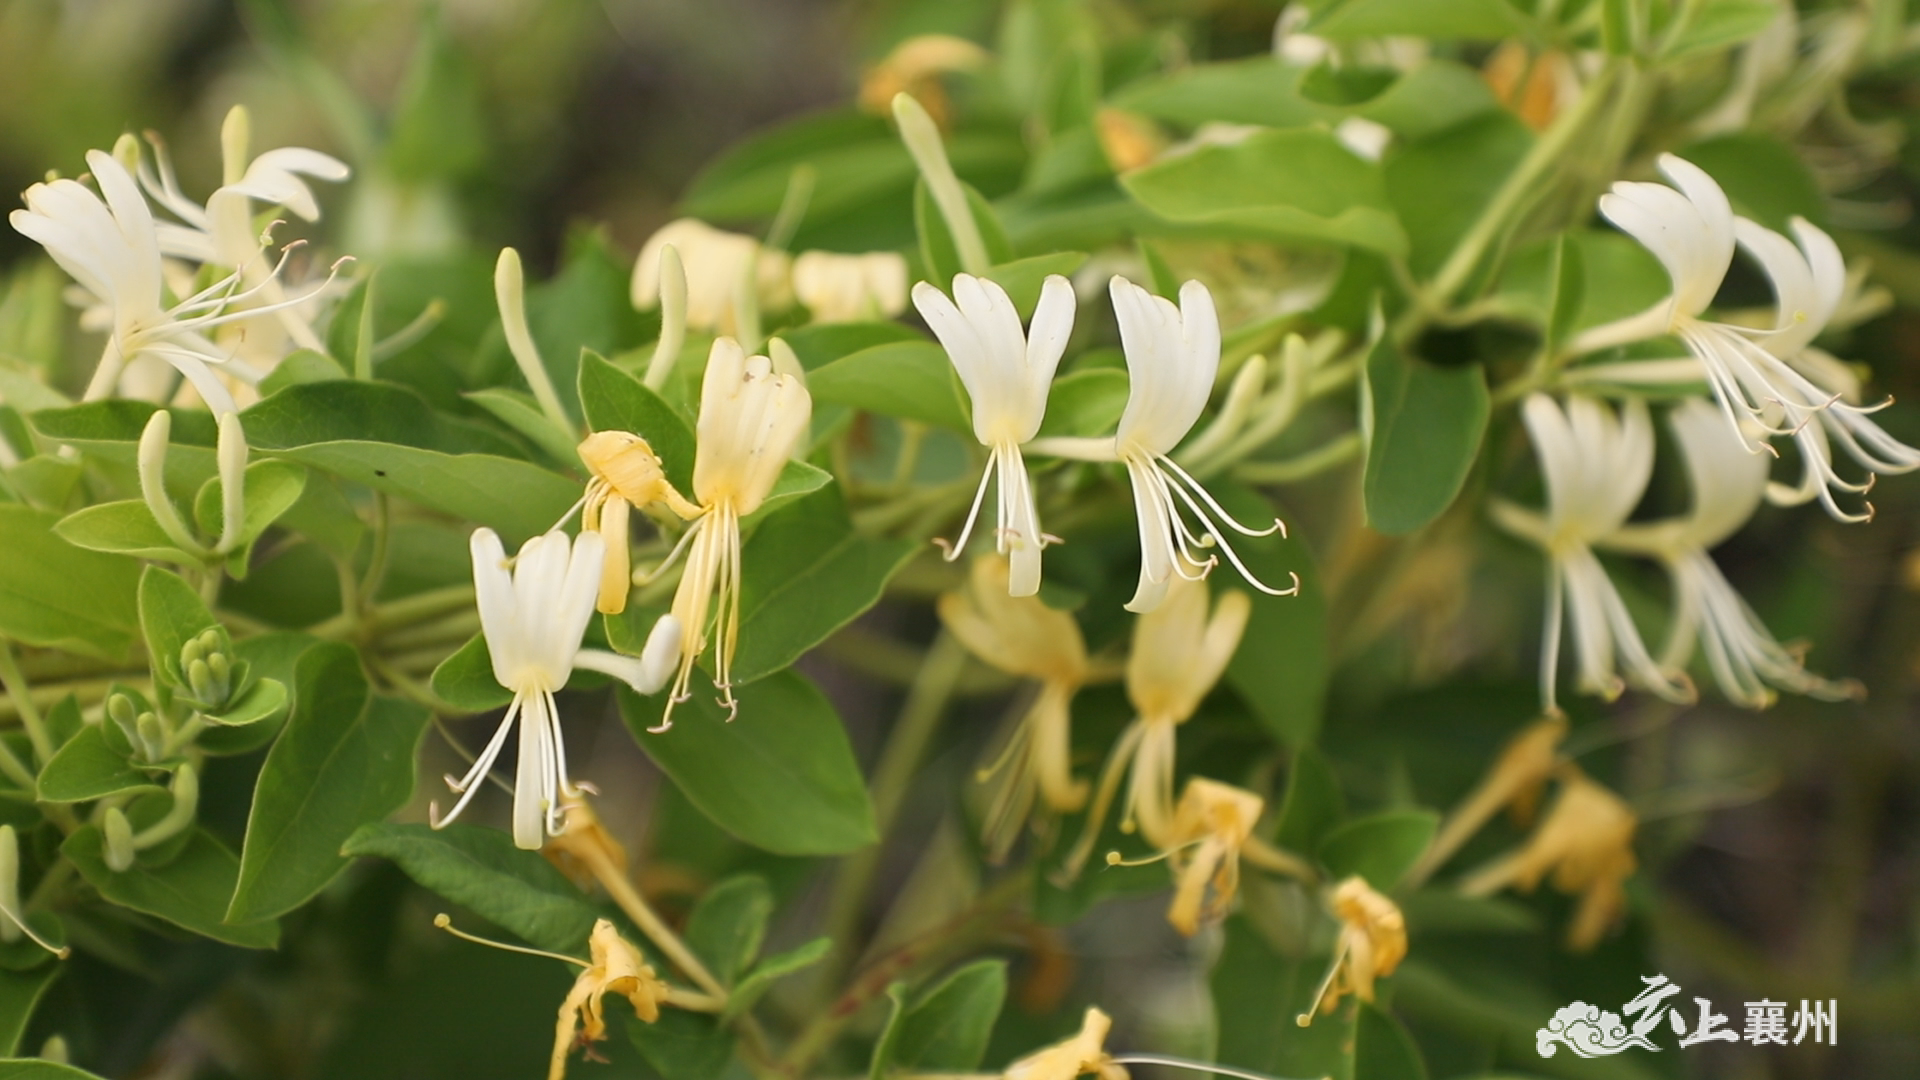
(1210, 827)
(1180, 650)
(1020, 635)
(1372, 942)
(617, 968)
(914, 67)
(750, 419)
(1517, 778)
(1586, 842)
(626, 473)
(1080, 1055)
(851, 288)
(1535, 87)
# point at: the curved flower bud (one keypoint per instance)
(1007, 374)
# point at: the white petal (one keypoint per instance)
(494, 596)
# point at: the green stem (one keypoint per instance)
(1521, 185)
(21, 696)
(1342, 449)
(920, 716)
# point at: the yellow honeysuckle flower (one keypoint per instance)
(1586, 842)
(1020, 635)
(1372, 942)
(626, 473)
(751, 418)
(1083, 1054)
(914, 67)
(1180, 650)
(851, 288)
(726, 274)
(1212, 829)
(617, 968)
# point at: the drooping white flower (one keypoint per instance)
(751, 417)
(728, 275)
(1758, 377)
(532, 616)
(1596, 466)
(849, 288)
(1007, 374)
(1728, 483)
(1172, 357)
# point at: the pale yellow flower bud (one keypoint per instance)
(1083, 1054)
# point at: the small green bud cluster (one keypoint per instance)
(209, 672)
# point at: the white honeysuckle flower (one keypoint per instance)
(1596, 466)
(726, 274)
(851, 288)
(1728, 483)
(1007, 373)
(109, 245)
(532, 616)
(751, 417)
(1366, 138)
(1172, 356)
(222, 232)
(1764, 380)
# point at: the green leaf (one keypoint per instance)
(345, 760)
(948, 1028)
(58, 596)
(388, 438)
(728, 925)
(36, 1069)
(1764, 178)
(1280, 669)
(1382, 1048)
(465, 679)
(1258, 990)
(125, 527)
(805, 573)
(912, 380)
(439, 121)
(304, 366)
(780, 776)
(1423, 425)
(519, 411)
(820, 344)
(271, 489)
(796, 479)
(1299, 184)
(1487, 20)
(20, 993)
(481, 870)
(1312, 806)
(586, 308)
(1440, 184)
(1023, 278)
(171, 614)
(45, 481)
(1381, 847)
(774, 968)
(1085, 403)
(683, 1045)
(1564, 272)
(264, 699)
(1720, 24)
(86, 768)
(191, 891)
(1263, 91)
(613, 400)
